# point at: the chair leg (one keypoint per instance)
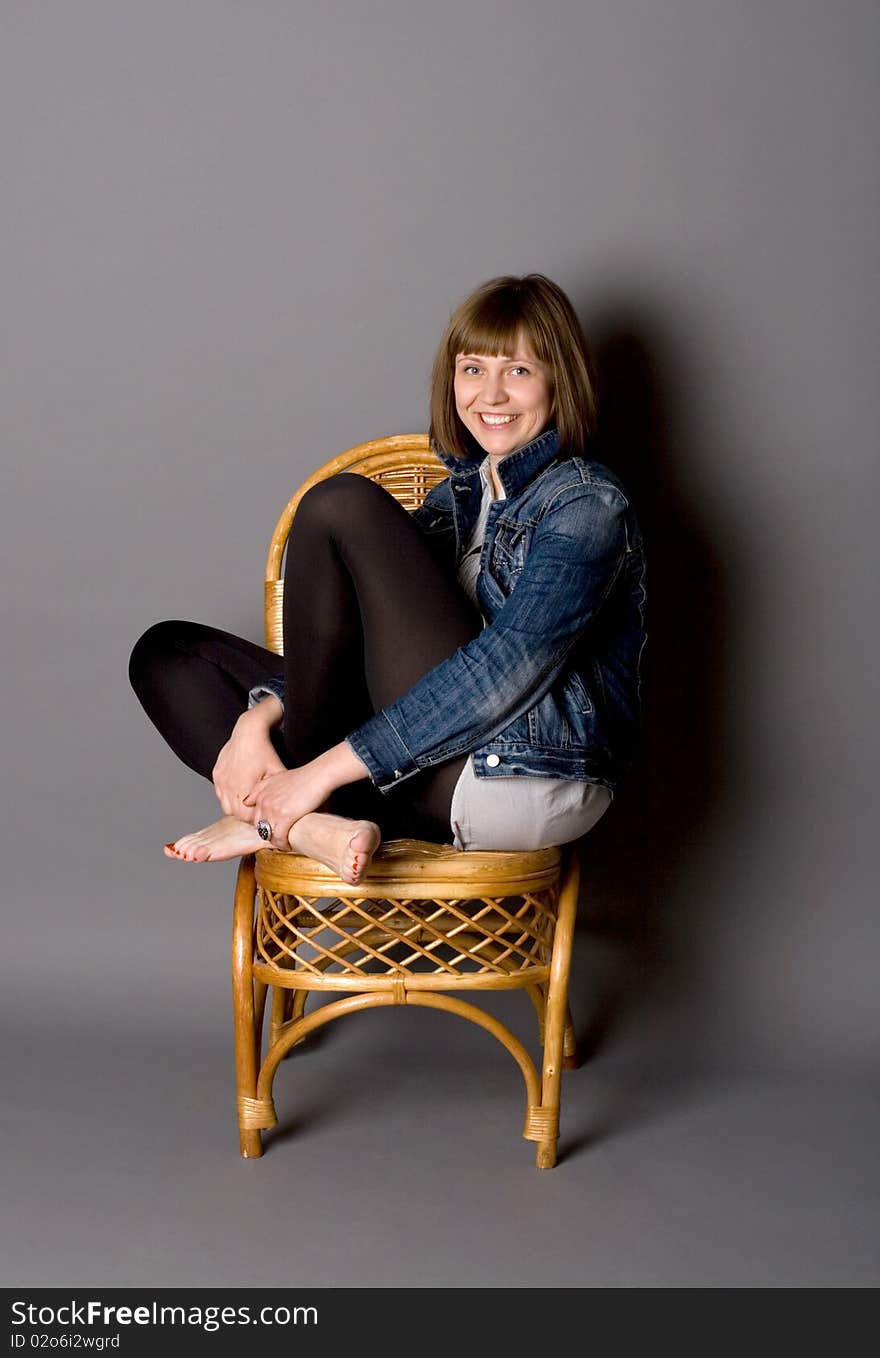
(246, 1037)
(279, 1013)
(287, 1005)
(557, 1016)
(260, 992)
(536, 995)
(570, 1058)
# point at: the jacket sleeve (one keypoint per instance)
(271, 687)
(574, 558)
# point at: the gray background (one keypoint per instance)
(232, 235)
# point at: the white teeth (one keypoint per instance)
(497, 419)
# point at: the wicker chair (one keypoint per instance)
(426, 920)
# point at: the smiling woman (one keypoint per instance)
(473, 669)
(504, 401)
(531, 323)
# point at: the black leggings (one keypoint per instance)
(367, 611)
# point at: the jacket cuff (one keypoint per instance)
(269, 688)
(387, 759)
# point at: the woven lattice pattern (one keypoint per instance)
(410, 485)
(354, 937)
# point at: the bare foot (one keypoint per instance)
(346, 847)
(226, 838)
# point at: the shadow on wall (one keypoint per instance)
(637, 924)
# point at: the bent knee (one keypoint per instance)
(154, 645)
(339, 498)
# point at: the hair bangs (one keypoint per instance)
(495, 326)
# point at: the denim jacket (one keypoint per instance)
(550, 687)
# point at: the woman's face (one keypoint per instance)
(504, 401)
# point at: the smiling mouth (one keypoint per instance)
(496, 421)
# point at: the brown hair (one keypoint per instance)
(491, 321)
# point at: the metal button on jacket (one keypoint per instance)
(493, 760)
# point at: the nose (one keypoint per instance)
(494, 393)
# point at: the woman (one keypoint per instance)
(467, 673)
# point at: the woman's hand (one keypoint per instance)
(247, 757)
(282, 798)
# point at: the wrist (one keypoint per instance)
(263, 716)
(337, 767)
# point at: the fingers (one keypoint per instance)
(236, 796)
(281, 799)
(250, 798)
(229, 799)
(280, 837)
(266, 803)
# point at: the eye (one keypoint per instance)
(470, 369)
(520, 369)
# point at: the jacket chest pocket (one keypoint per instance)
(509, 548)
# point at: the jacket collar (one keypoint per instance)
(516, 470)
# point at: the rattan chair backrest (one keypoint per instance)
(403, 463)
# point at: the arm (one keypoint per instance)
(286, 796)
(574, 558)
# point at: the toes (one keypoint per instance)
(350, 871)
(361, 847)
(358, 866)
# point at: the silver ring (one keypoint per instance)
(264, 829)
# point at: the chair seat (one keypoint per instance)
(416, 863)
(426, 917)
